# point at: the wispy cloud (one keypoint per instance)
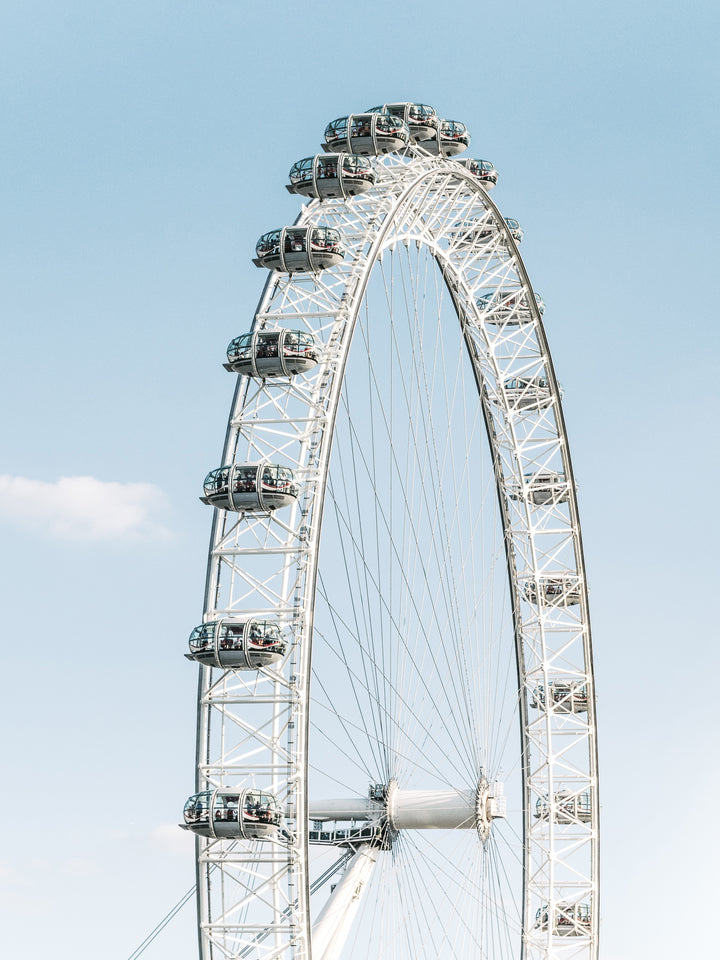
(83, 508)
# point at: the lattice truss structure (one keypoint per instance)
(254, 725)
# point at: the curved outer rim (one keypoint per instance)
(395, 203)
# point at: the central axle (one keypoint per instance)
(458, 809)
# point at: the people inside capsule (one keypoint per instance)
(564, 697)
(331, 175)
(546, 487)
(273, 353)
(483, 170)
(525, 392)
(249, 487)
(237, 644)
(568, 807)
(297, 249)
(366, 134)
(541, 488)
(451, 138)
(559, 591)
(516, 231)
(477, 231)
(230, 813)
(422, 120)
(508, 306)
(568, 919)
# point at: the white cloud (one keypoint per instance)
(83, 508)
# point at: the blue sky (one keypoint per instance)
(145, 147)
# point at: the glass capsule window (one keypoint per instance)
(300, 345)
(327, 168)
(453, 130)
(337, 129)
(202, 637)
(269, 243)
(267, 344)
(264, 634)
(543, 478)
(421, 111)
(231, 636)
(302, 171)
(245, 479)
(358, 166)
(361, 126)
(295, 240)
(226, 807)
(388, 124)
(325, 238)
(574, 805)
(261, 808)
(561, 691)
(279, 478)
(240, 348)
(553, 588)
(216, 481)
(197, 808)
(520, 383)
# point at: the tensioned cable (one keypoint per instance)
(452, 714)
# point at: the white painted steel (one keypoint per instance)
(253, 728)
(331, 930)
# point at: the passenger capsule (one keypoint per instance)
(516, 231)
(421, 119)
(508, 307)
(450, 138)
(367, 134)
(526, 393)
(331, 175)
(563, 696)
(232, 814)
(484, 229)
(565, 919)
(542, 488)
(483, 170)
(237, 644)
(475, 232)
(250, 487)
(561, 590)
(299, 249)
(565, 807)
(273, 353)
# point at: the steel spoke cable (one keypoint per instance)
(415, 297)
(400, 699)
(361, 557)
(425, 572)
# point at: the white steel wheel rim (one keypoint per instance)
(253, 727)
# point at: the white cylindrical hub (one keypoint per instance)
(431, 809)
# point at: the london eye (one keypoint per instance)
(396, 740)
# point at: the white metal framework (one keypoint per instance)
(438, 641)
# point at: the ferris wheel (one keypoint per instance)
(396, 746)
